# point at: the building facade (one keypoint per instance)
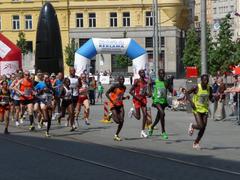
(220, 9)
(81, 20)
(198, 12)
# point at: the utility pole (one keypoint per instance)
(155, 37)
(203, 37)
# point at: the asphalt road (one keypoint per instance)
(91, 153)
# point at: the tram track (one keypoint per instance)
(125, 149)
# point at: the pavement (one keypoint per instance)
(90, 152)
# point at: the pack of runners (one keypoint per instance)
(45, 97)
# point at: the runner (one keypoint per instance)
(57, 86)
(67, 104)
(25, 88)
(45, 96)
(139, 91)
(36, 101)
(74, 86)
(116, 96)
(160, 87)
(16, 100)
(199, 102)
(5, 104)
(83, 99)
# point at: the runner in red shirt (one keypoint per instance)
(139, 91)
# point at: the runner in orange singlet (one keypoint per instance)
(25, 88)
(116, 96)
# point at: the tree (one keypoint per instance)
(223, 55)
(123, 61)
(22, 43)
(70, 50)
(191, 52)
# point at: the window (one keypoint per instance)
(28, 21)
(92, 19)
(214, 10)
(126, 19)
(0, 23)
(82, 41)
(149, 18)
(148, 42)
(16, 22)
(162, 41)
(113, 19)
(79, 20)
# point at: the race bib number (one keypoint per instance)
(28, 91)
(49, 99)
(161, 93)
(203, 99)
(143, 91)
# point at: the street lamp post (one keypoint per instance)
(203, 37)
(155, 37)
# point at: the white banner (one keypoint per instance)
(112, 46)
(105, 79)
(81, 64)
(127, 81)
(4, 49)
(8, 67)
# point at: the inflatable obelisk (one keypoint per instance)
(49, 57)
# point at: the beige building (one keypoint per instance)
(198, 12)
(84, 19)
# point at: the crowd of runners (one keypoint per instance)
(44, 97)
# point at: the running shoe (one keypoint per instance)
(130, 113)
(190, 129)
(6, 131)
(143, 134)
(72, 129)
(74, 126)
(39, 125)
(31, 128)
(117, 138)
(196, 146)
(150, 131)
(47, 134)
(87, 122)
(21, 120)
(45, 124)
(17, 123)
(164, 135)
(67, 124)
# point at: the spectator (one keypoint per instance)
(213, 106)
(100, 91)
(220, 97)
(92, 88)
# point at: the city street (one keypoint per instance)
(91, 153)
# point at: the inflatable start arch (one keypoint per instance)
(127, 47)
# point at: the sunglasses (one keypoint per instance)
(27, 74)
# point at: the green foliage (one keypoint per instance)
(70, 50)
(22, 43)
(122, 61)
(223, 55)
(191, 56)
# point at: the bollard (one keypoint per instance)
(106, 118)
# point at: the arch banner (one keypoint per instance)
(10, 56)
(127, 46)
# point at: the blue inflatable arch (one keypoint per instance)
(125, 46)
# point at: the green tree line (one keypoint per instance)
(222, 52)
